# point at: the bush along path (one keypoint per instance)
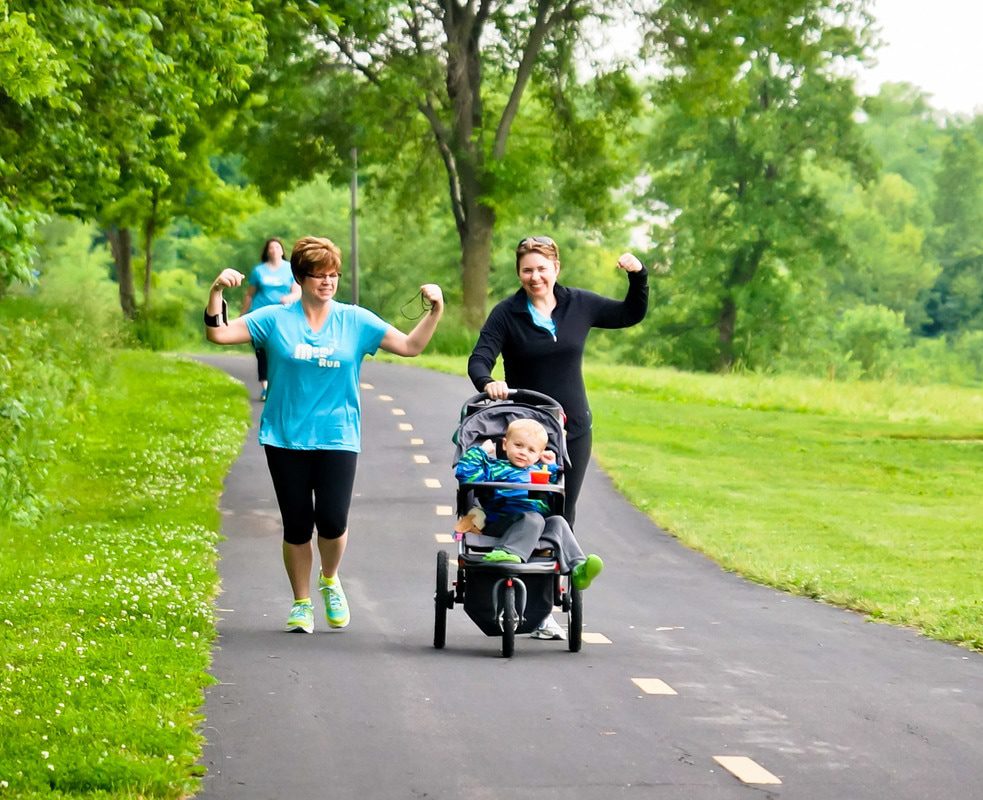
(106, 618)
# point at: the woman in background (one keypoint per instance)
(270, 282)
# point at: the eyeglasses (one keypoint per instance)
(323, 278)
(537, 240)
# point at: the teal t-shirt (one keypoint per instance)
(313, 401)
(271, 284)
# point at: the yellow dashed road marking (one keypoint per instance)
(398, 412)
(443, 538)
(431, 483)
(405, 426)
(746, 770)
(594, 638)
(653, 686)
(416, 440)
(385, 398)
(421, 459)
(366, 386)
(443, 511)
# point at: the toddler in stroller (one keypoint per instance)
(515, 550)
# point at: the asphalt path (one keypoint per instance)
(686, 663)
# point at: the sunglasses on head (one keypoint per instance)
(537, 240)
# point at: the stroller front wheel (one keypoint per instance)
(575, 619)
(440, 602)
(510, 621)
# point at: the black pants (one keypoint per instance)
(579, 450)
(261, 363)
(313, 489)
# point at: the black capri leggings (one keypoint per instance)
(313, 489)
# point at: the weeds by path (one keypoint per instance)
(106, 620)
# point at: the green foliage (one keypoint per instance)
(872, 336)
(101, 690)
(905, 132)
(51, 359)
(957, 297)
(883, 226)
(111, 122)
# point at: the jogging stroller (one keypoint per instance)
(504, 598)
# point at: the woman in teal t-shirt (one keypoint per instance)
(270, 283)
(311, 423)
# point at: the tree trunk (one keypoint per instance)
(121, 244)
(476, 264)
(726, 324)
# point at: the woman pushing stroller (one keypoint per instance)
(518, 520)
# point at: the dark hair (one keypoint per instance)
(537, 244)
(312, 252)
(266, 248)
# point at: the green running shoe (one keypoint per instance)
(301, 617)
(498, 555)
(335, 602)
(585, 572)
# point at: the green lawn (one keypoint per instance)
(106, 619)
(864, 494)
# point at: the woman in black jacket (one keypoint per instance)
(540, 333)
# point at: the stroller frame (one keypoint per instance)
(502, 598)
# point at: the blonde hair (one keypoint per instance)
(532, 429)
(313, 252)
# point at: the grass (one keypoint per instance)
(862, 494)
(106, 621)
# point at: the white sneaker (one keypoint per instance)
(549, 628)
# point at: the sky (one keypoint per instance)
(933, 44)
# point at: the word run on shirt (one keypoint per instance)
(307, 352)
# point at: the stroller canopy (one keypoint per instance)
(482, 419)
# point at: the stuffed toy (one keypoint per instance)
(472, 522)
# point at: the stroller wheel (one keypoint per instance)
(510, 621)
(575, 619)
(440, 602)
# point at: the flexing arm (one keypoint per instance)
(630, 311)
(234, 332)
(413, 343)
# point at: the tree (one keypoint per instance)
(957, 297)
(448, 81)
(752, 98)
(120, 89)
(883, 227)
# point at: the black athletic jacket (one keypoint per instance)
(534, 360)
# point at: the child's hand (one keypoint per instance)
(548, 457)
(489, 447)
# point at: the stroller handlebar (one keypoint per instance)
(518, 395)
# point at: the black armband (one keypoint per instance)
(212, 320)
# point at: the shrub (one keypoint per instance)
(49, 358)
